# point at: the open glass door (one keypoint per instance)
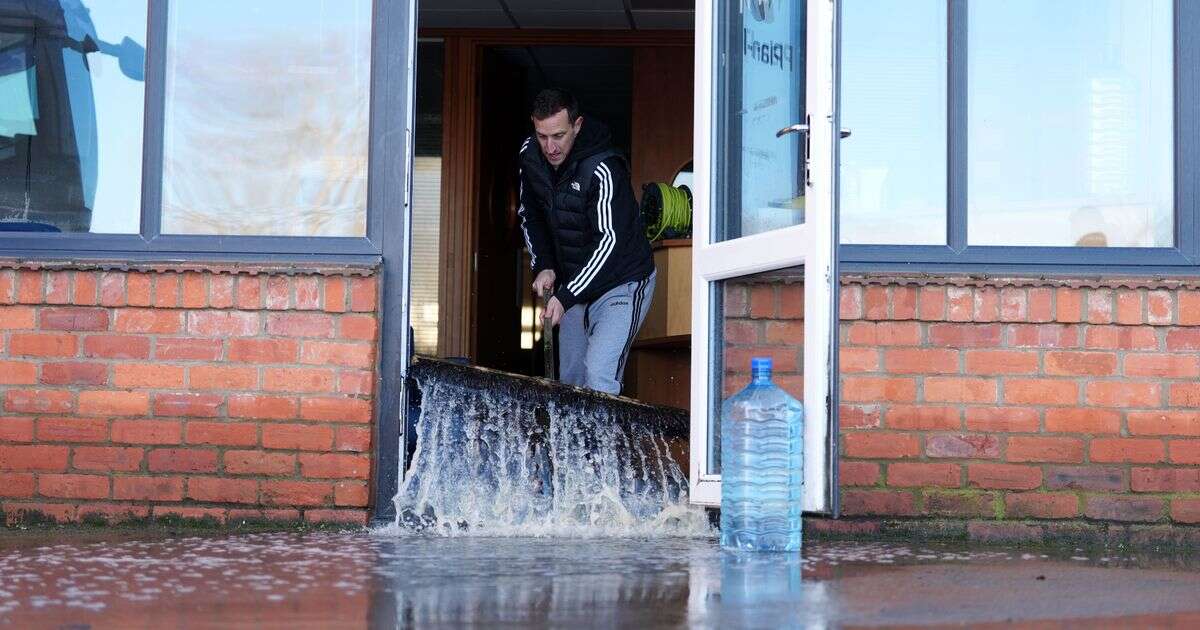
(765, 149)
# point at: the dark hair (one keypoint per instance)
(553, 100)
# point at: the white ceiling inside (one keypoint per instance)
(563, 14)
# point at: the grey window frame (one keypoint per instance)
(958, 256)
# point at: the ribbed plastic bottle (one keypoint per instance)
(762, 466)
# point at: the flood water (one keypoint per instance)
(381, 580)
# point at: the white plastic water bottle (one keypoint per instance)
(762, 466)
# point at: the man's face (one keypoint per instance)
(556, 135)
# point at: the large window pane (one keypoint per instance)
(72, 97)
(893, 173)
(267, 107)
(1070, 123)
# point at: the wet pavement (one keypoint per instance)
(363, 580)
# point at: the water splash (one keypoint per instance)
(498, 455)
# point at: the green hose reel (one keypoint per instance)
(666, 211)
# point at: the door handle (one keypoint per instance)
(844, 133)
(798, 128)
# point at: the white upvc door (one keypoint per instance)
(764, 200)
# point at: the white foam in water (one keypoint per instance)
(490, 465)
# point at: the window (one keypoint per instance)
(1019, 133)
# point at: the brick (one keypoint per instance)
(762, 301)
(1040, 391)
(352, 439)
(931, 304)
(1189, 307)
(84, 288)
(147, 376)
(249, 292)
(1061, 450)
(1124, 394)
(58, 287)
(1160, 308)
(987, 304)
(42, 345)
(17, 485)
(1125, 509)
(850, 304)
(1094, 478)
(920, 361)
(300, 325)
(193, 290)
(308, 293)
(263, 350)
(7, 286)
(72, 429)
(879, 445)
(960, 504)
(1129, 307)
(222, 377)
(1186, 423)
(217, 490)
(182, 460)
(1043, 336)
(17, 318)
(112, 288)
(335, 295)
(223, 323)
(335, 409)
(306, 380)
(344, 517)
(1162, 365)
(1121, 338)
(221, 291)
(18, 512)
(1014, 305)
(741, 333)
(187, 405)
(116, 347)
(221, 433)
(16, 429)
(1185, 452)
(1173, 480)
(358, 327)
(965, 335)
(877, 503)
(166, 290)
(959, 390)
(1127, 450)
(28, 458)
(885, 333)
(1004, 476)
(1041, 304)
(297, 493)
(107, 458)
(146, 432)
(996, 362)
(265, 407)
(1100, 306)
(211, 514)
(923, 418)
(960, 303)
(364, 295)
(1041, 505)
(856, 360)
(301, 437)
(113, 513)
(1087, 420)
(875, 302)
(335, 466)
(878, 389)
(859, 416)
(351, 494)
(73, 486)
(148, 321)
(137, 289)
(357, 355)
(1185, 510)
(184, 349)
(1183, 339)
(148, 488)
(858, 473)
(114, 403)
(38, 401)
(1184, 395)
(1006, 419)
(260, 463)
(18, 373)
(74, 373)
(29, 288)
(1068, 305)
(780, 332)
(919, 475)
(962, 446)
(1081, 363)
(791, 301)
(279, 293)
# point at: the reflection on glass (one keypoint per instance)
(266, 117)
(762, 91)
(893, 174)
(427, 198)
(72, 94)
(1070, 129)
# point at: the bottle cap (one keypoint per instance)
(760, 364)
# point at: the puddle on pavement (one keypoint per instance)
(364, 580)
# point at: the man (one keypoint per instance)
(586, 241)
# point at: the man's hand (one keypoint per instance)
(553, 312)
(544, 282)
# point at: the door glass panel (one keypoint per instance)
(754, 316)
(760, 91)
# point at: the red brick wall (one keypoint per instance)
(230, 393)
(1004, 398)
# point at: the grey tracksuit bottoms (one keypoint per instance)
(594, 338)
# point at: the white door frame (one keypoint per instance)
(811, 244)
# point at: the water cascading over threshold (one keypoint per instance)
(504, 455)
